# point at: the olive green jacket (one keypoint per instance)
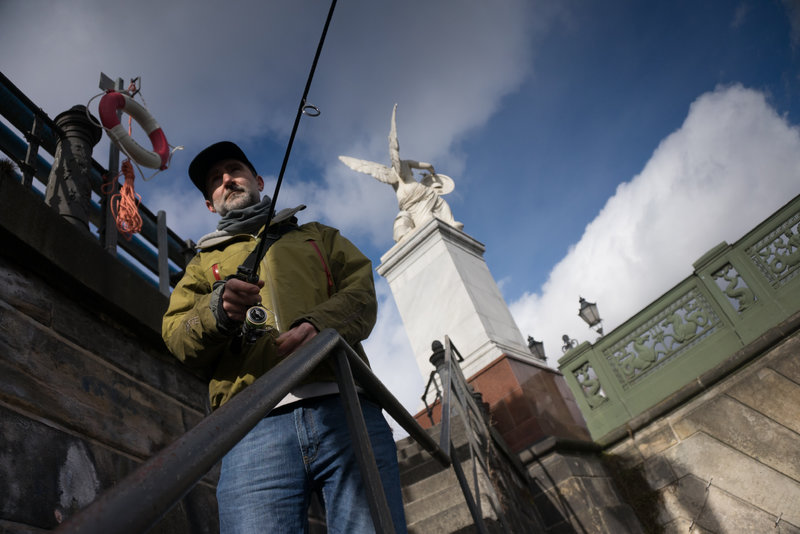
(311, 274)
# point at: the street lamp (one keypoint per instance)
(589, 314)
(536, 348)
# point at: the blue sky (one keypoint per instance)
(598, 148)
(607, 85)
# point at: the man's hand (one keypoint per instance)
(239, 296)
(295, 338)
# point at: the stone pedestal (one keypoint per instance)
(442, 286)
(527, 403)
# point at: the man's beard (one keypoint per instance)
(236, 198)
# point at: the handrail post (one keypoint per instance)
(392, 406)
(34, 138)
(441, 361)
(376, 497)
(108, 226)
(474, 507)
(444, 360)
(163, 253)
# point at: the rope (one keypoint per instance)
(125, 204)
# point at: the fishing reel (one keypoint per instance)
(255, 324)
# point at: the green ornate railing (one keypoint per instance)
(736, 294)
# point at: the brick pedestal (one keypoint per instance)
(527, 403)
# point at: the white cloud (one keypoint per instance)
(731, 164)
(390, 354)
(214, 70)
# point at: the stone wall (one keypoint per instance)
(727, 460)
(575, 491)
(87, 388)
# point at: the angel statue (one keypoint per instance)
(419, 201)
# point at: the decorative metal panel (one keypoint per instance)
(681, 325)
(777, 255)
(590, 385)
(735, 288)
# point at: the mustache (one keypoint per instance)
(233, 188)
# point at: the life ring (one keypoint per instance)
(108, 107)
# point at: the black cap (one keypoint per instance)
(210, 156)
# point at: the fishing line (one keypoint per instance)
(249, 270)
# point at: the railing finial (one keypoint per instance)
(437, 358)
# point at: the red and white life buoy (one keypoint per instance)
(113, 102)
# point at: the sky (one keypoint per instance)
(598, 148)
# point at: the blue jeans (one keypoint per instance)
(267, 479)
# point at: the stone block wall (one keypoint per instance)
(727, 460)
(87, 388)
(575, 490)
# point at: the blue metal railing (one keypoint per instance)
(42, 132)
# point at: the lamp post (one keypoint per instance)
(537, 348)
(590, 315)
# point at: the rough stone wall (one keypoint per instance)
(727, 461)
(87, 391)
(574, 490)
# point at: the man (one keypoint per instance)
(311, 278)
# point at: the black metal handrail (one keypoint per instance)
(141, 499)
(455, 394)
(42, 132)
(443, 360)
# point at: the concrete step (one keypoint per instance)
(423, 465)
(448, 496)
(452, 520)
(434, 483)
(408, 447)
(432, 497)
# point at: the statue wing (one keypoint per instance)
(394, 143)
(380, 172)
(440, 183)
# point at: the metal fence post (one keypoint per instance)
(163, 253)
(108, 226)
(34, 138)
(378, 506)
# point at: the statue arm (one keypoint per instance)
(421, 165)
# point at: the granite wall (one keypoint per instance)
(727, 460)
(87, 388)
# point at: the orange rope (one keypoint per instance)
(125, 204)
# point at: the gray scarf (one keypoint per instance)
(246, 220)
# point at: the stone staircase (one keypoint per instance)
(433, 499)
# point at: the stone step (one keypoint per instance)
(454, 519)
(448, 496)
(407, 446)
(423, 465)
(433, 499)
(445, 478)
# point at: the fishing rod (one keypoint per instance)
(256, 317)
